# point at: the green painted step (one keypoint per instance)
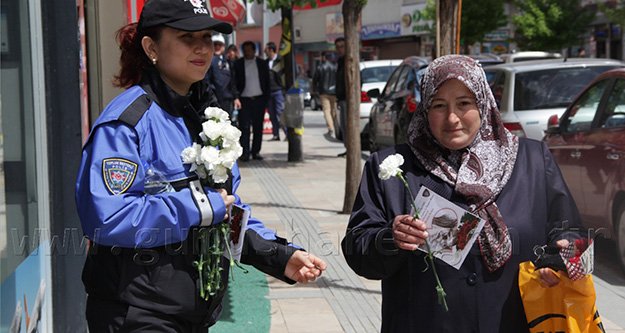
(246, 308)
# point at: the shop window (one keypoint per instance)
(18, 161)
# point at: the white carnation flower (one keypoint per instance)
(190, 154)
(212, 113)
(230, 156)
(390, 166)
(212, 129)
(209, 156)
(219, 174)
(231, 133)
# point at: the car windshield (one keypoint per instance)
(376, 74)
(551, 88)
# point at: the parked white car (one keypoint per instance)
(529, 55)
(529, 92)
(373, 74)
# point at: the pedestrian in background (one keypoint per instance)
(140, 206)
(341, 102)
(252, 83)
(324, 84)
(220, 76)
(232, 53)
(459, 148)
(276, 100)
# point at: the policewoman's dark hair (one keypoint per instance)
(133, 59)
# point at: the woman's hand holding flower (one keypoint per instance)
(408, 232)
(228, 201)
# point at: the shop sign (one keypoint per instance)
(378, 31)
(334, 26)
(497, 35)
(413, 21)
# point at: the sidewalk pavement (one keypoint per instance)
(302, 201)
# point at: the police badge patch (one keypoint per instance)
(118, 174)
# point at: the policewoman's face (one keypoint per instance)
(183, 57)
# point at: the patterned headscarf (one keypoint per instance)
(480, 171)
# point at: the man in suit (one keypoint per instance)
(252, 92)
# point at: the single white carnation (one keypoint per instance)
(219, 174)
(217, 114)
(230, 156)
(209, 156)
(390, 166)
(212, 129)
(190, 154)
(231, 133)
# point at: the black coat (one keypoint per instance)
(533, 203)
(220, 78)
(263, 75)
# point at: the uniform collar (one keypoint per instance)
(188, 107)
(167, 98)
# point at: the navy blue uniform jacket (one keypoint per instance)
(533, 203)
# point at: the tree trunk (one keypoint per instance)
(352, 10)
(448, 23)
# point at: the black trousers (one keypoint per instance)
(252, 113)
(113, 316)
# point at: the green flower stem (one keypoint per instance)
(214, 242)
(440, 291)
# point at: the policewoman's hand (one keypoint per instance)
(408, 232)
(304, 267)
(228, 201)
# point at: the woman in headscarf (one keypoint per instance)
(458, 148)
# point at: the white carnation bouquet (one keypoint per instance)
(212, 161)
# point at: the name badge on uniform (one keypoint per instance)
(118, 174)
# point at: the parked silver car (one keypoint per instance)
(529, 92)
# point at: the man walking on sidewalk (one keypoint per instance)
(324, 84)
(341, 102)
(276, 100)
(220, 77)
(252, 92)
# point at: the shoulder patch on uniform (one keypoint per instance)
(118, 174)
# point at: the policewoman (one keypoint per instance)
(138, 203)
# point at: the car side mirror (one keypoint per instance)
(553, 125)
(373, 93)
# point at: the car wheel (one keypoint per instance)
(619, 229)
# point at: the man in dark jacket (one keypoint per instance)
(276, 100)
(220, 77)
(252, 92)
(341, 102)
(324, 81)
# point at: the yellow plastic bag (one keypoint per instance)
(568, 307)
